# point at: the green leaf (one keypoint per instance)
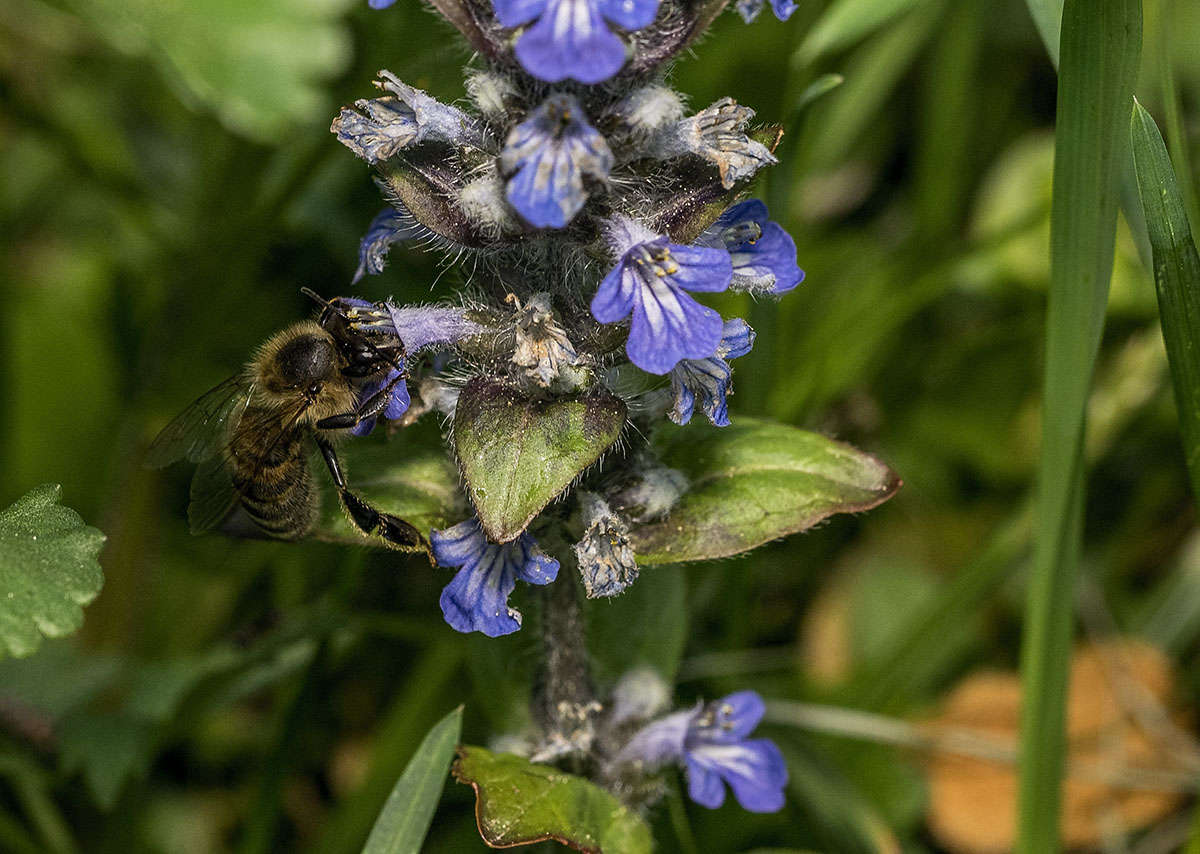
(405, 818)
(823, 85)
(846, 22)
(419, 486)
(753, 482)
(1176, 278)
(48, 570)
(1100, 49)
(260, 66)
(518, 454)
(518, 802)
(1047, 17)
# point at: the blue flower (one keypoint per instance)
(651, 280)
(711, 743)
(710, 377)
(749, 9)
(546, 159)
(380, 4)
(570, 38)
(389, 227)
(477, 599)
(763, 254)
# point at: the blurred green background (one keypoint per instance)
(168, 183)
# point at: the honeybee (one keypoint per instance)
(250, 434)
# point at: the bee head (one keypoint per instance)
(301, 359)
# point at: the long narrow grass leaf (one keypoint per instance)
(1099, 51)
(1047, 17)
(1176, 278)
(405, 818)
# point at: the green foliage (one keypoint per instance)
(754, 482)
(518, 454)
(519, 803)
(48, 570)
(1101, 45)
(1176, 278)
(404, 821)
(259, 66)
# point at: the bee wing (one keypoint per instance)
(213, 494)
(201, 430)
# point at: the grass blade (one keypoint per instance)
(405, 818)
(1047, 17)
(1099, 52)
(1176, 278)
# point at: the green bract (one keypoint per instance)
(518, 802)
(753, 482)
(518, 454)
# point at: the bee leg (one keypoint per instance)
(372, 407)
(395, 531)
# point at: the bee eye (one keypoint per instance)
(314, 389)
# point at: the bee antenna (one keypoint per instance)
(321, 301)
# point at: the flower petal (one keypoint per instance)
(629, 14)
(514, 13)
(668, 325)
(700, 268)
(659, 742)
(614, 297)
(571, 40)
(533, 565)
(710, 379)
(548, 156)
(754, 769)
(704, 785)
(476, 600)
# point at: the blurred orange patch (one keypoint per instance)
(1117, 726)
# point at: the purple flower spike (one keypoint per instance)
(547, 158)
(709, 378)
(711, 742)
(380, 4)
(651, 280)
(477, 599)
(570, 38)
(763, 254)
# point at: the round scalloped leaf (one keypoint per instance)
(48, 570)
(260, 66)
(518, 802)
(518, 454)
(753, 482)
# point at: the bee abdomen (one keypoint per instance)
(279, 495)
